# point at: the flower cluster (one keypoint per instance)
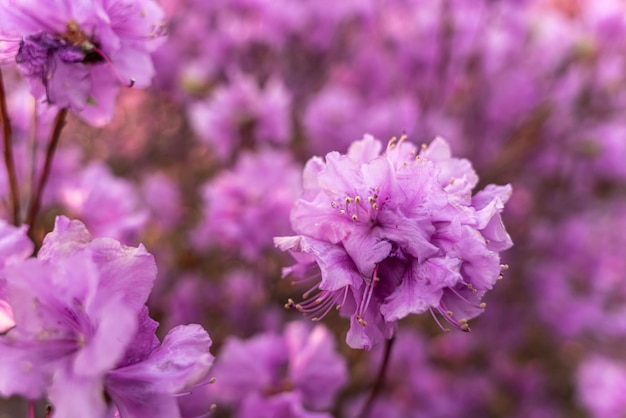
(294, 374)
(204, 168)
(396, 234)
(75, 54)
(246, 207)
(81, 329)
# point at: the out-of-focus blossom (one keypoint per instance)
(239, 299)
(76, 54)
(243, 114)
(421, 385)
(109, 206)
(298, 372)
(337, 116)
(163, 199)
(395, 234)
(15, 246)
(579, 273)
(249, 205)
(600, 387)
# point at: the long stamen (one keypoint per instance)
(444, 329)
(318, 306)
(343, 300)
(306, 294)
(465, 300)
(326, 311)
(369, 291)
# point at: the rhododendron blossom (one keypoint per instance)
(296, 374)
(81, 329)
(395, 234)
(76, 53)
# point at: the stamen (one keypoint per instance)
(463, 298)
(306, 294)
(318, 307)
(369, 291)
(437, 321)
(449, 317)
(464, 325)
(343, 301)
(328, 309)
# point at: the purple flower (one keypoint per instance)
(249, 205)
(76, 53)
(600, 386)
(299, 371)
(337, 115)
(82, 330)
(423, 382)
(163, 198)
(578, 273)
(243, 113)
(152, 374)
(395, 234)
(15, 246)
(75, 309)
(109, 206)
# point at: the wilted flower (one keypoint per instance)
(395, 234)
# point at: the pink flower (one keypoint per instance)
(395, 234)
(76, 53)
(272, 375)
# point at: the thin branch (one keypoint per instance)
(380, 380)
(37, 193)
(8, 154)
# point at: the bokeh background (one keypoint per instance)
(203, 168)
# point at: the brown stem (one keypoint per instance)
(8, 154)
(35, 201)
(380, 380)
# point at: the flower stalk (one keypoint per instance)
(35, 201)
(380, 380)
(8, 154)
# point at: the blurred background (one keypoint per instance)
(204, 166)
